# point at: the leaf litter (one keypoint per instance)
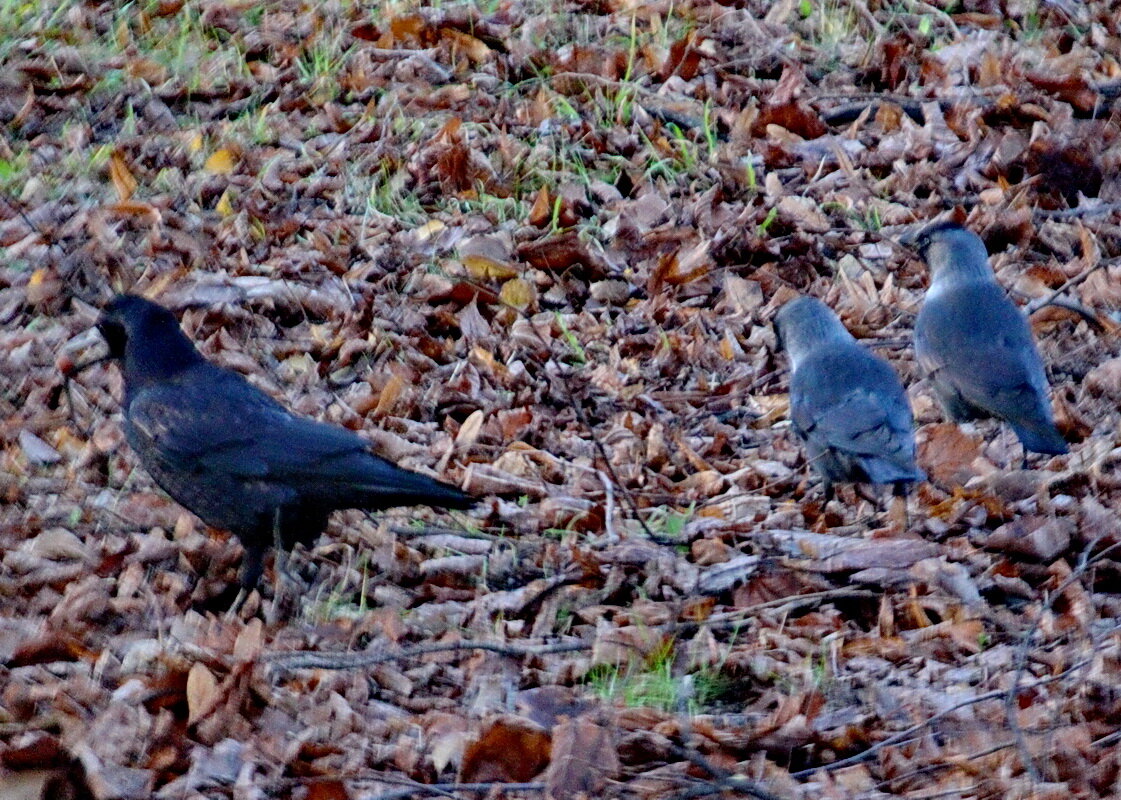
(536, 249)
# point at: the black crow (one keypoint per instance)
(975, 343)
(234, 456)
(846, 404)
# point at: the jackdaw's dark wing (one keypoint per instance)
(976, 344)
(850, 402)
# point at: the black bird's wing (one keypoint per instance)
(213, 425)
(849, 404)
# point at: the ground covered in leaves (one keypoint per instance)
(535, 249)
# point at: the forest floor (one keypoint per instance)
(535, 249)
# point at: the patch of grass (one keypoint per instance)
(337, 602)
(13, 172)
(497, 209)
(831, 23)
(578, 356)
(387, 195)
(670, 522)
(772, 215)
(321, 63)
(652, 683)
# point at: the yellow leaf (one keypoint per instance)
(428, 230)
(221, 162)
(224, 207)
(37, 277)
(122, 178)
(518, 293)
(196, 143)
(481, 268)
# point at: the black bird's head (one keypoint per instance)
(803, 324)
(146, 338)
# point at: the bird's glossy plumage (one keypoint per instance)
(234, 456)
(976, 345)
(846, 403)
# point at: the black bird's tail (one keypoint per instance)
(406, 488)
(438, 495)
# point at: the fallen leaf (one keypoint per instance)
(202, 692)
(119, 173)
(583, 759)
(220, 162)
(508, 748)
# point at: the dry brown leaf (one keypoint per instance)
(542, 209)
(202, 692)
(508, 748)
(469, 431)
(476, 49)
(249, 642)
(583, 759)
(1043, 538)
(121, 175)
(389, 395)
(947, 454)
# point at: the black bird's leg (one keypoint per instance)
(280, 568)
(252, 566)
(251, 569)
(278, 544)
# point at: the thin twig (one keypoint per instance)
(609, 506)
(446, 789)
(862, 10)
(302, 659)
(1039, 303)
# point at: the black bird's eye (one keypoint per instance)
(114, 335)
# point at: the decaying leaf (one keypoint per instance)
(583, 759)
(509, 748)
